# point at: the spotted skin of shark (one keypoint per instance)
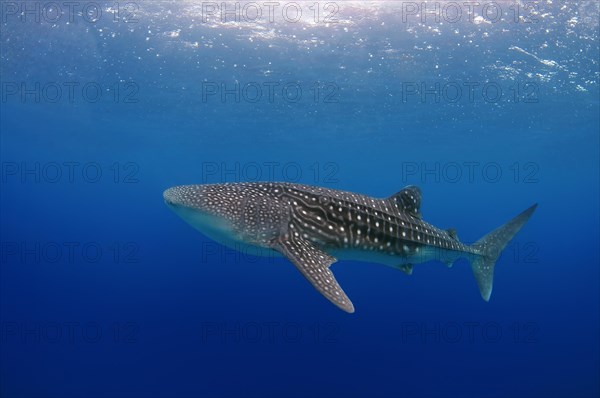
(313, 226)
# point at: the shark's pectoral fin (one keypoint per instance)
(314, 264)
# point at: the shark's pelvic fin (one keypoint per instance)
(491, 245)
(314, 264)
(409, 200)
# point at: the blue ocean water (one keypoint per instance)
(488, 108)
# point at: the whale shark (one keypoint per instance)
(314, 227)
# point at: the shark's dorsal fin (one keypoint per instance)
(409, 200)
(314, 264)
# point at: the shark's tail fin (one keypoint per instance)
(491, 245)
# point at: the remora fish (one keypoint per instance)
(311, 226)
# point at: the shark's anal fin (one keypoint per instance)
(406, 268)
(314, 264)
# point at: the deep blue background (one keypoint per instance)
(180, 316)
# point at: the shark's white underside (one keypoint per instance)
(220, 231)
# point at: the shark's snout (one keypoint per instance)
(183, 195)
(188, 196)
(211, 209)
(170, 196)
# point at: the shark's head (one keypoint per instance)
(206, 208)
(225, 212)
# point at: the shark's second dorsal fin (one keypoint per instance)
(452, 233)
(409, 200)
